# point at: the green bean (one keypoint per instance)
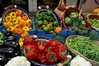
(86, 47)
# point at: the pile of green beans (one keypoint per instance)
(86, 47)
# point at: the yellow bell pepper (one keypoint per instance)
(11, 28)
(20, 42)
(8, 18)
(15, 21)
(7, 24)
(24, 34)
(29, 21)
(25, 28)
(13, 15)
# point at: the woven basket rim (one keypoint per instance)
(77, 53)
(88, 19)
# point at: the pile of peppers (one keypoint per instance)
(44, 52)
(17, 22)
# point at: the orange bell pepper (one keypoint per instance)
(49, 26)
(24, 17)
(24, 34)
(21, 23)
(17, 31)
(58, 30)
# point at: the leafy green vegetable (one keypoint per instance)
(61, 39)
(49, 12)
(86, 47)
(94, 35)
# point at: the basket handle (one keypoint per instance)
(43, 7)
(10, 6)
(66, 61)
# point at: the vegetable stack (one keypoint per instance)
(47, 22)
(76, 22)
(17, 21)
(9, 47)
(44, 51)
(86, 47)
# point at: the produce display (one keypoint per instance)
(22, 44)
(76, 22)
(17, 22)
(47, 22)
(85, 46)
(44, 51)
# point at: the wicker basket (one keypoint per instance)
(13, 8)
(75, 53)
(68, 10)
(92, 16)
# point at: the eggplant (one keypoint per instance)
(18, 53)
(8, 33)
(11, 44)
(10, 38)
(8, 52)
(3, 59)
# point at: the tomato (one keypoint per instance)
(19, 13)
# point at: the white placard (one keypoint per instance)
(32, 5)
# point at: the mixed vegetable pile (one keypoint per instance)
(9, 47)
(44, 52)
(76, 22)
(86, 47)
(95, 23)
(17, 22)
(47, 22)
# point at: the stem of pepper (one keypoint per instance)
(52, 56)
(63, 53)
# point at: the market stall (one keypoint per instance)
(63, 36)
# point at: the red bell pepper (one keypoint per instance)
(32, 53)
(61, 52)
(29, 46)
(28, 40)
(40, 46)
(53, 42)
(42, 59)
(51, 58)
